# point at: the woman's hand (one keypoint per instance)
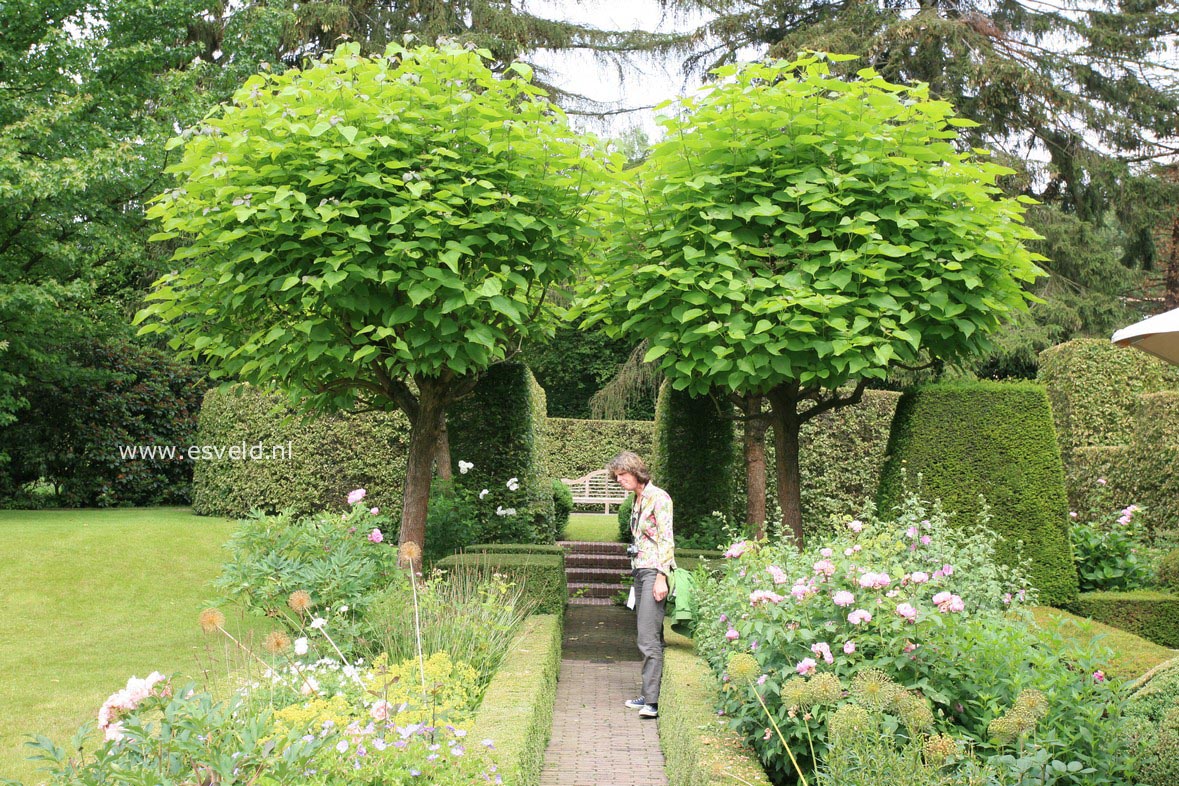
(659, 591)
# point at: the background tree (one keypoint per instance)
(1075, 96)
(795, 232)
(379, 230)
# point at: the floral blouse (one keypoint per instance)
(650, 528)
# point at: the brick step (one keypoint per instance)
(591, 602)
(591, 547)
(593, 589)
(596, 575)
(613, 561)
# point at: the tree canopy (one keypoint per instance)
(380, 229)
(796, 231)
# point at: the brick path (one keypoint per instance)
(596, 741)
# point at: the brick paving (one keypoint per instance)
(596, 741)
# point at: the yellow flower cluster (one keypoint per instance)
(451, 688)
(315, 715)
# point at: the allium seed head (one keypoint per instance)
(212, 620)
(409, 552)
(299, 601)
(277, 642)
(742, 666)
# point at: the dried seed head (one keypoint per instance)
(277, 642)
(212, 620)
(299, 601)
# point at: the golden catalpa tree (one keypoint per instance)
(374, 231)
(795, 235)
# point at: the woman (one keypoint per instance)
(652, 562)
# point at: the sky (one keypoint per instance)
(642, 82)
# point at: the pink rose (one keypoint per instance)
(806, 666)
(375, 536)
(947, 570)
(777, 574)
(1099, 676)
(843, 598)
(825, 567)
(732, 635)
(859, 616)
(926, 540)
(826, 552)
(849, 647)
(907, 611)
(764, 596)
(823, 650)
(374, 511)
(356, 495)
(737, 549)
(856, 526)
(919, 577)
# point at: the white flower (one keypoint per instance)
(483, 493)
(513, 484)
(502, 511)
(318, 623)
(301, 646)
(465, 467)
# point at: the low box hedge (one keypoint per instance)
(515, 548)
(1151, 615)
(698, 748)
(517, 709)
(543, 575)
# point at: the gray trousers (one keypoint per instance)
(649, 615)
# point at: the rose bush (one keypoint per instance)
(911, 601)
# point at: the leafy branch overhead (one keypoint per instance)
(795, 232)
(383, 228)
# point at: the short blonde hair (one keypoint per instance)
(629, 462)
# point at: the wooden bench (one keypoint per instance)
(596, 488)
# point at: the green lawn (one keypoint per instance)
(592, 526)
(91, 598)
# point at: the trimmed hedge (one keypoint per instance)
(997, 440)
(499, 429)
(841, 457)
(329, 456)
(1094, 385)
(698, 747)
(516, 548)
(1151, 615)
(578, 447)
(517, 709)
(696, 451)
(542, 575)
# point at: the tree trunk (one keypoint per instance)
(755, 465)
(419, 469)
(442, 458)
(786, 422)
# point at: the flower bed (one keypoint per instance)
(902, 636)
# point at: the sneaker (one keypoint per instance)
(635, 704)
(649, 711)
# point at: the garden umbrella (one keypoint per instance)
(1158, 335)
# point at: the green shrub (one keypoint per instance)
(1094, 386)
(1167, 573)
(542, 576)
(1154, 705)
(1106, 552)
(517, 710)
(695, 456)
(995, 440)
(328, 457)
(338, 559)
(496, 443)
(575, 448)
(562, 507)
(698, 747)
(1151, 615)
(451, 521)
(72, 435)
